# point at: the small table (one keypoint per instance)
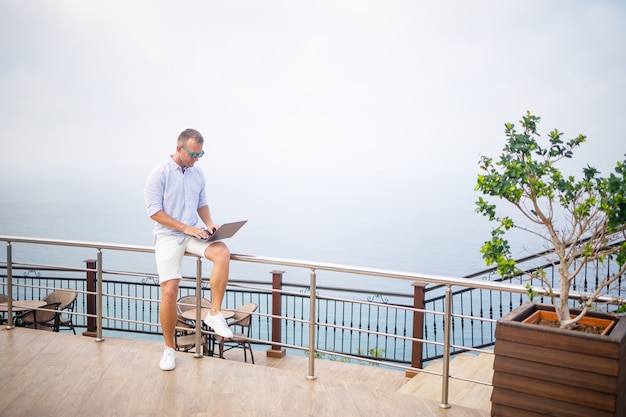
(19, 307)
(191, 315)
(22, 305)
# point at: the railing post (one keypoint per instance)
(9, 286)
(446, 349)
(418, 329)
(276, 351)
(312, 324)
(90, 284)
(99, 305)
(199, 353)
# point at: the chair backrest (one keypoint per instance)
(188, 302)
(243, 314)
(65, 298)
(46, 314)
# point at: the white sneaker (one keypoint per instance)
(168, 360)
(218, 324)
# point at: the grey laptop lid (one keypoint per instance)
(225, 231)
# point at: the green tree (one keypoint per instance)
(577, 217)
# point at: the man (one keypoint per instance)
(176, 200)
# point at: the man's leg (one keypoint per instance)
(219, 254)
(168, 312)
(169, 254)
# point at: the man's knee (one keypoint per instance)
(169, 290)
(218, 252)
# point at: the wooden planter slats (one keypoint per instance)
(516, 404)
(567, 376)
(595, 363)
(540, 370)
(581, 397)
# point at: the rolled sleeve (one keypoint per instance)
(153, 192)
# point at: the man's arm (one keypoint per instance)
(166, 220)
(205, 216)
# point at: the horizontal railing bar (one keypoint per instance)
(42, 287)
(372, 332)
(466, 317)
(426, 278)
(49, 267)
(78, 243)
(130, 274)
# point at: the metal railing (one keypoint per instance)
(305, 297)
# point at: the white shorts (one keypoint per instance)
(169, 254)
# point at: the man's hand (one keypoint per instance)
(212, 227)
(196, 232)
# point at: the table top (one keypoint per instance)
(22, 305)
(191, 313)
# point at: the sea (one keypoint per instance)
(393, 221)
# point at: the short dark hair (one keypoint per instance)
(187, 134)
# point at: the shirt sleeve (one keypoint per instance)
(153, 192)
(202, 201)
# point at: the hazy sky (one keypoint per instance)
(365, 95)
(421, 86)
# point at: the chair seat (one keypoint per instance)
(185, 337)
(187, 342)
(242, 320)
(237, 337)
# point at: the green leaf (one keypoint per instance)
(526, 176)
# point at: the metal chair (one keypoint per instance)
(241, 321)
(188, 302)
(66, 300)
(185, 336)
(45, 318)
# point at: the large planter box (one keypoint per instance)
(540, 370)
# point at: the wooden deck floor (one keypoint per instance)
(52, 374)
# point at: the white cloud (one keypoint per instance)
(408, 86)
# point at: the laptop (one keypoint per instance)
(225, 231)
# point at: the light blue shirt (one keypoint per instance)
(176, 193)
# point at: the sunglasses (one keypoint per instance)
(194, 155)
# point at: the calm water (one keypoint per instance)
(397, 223)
